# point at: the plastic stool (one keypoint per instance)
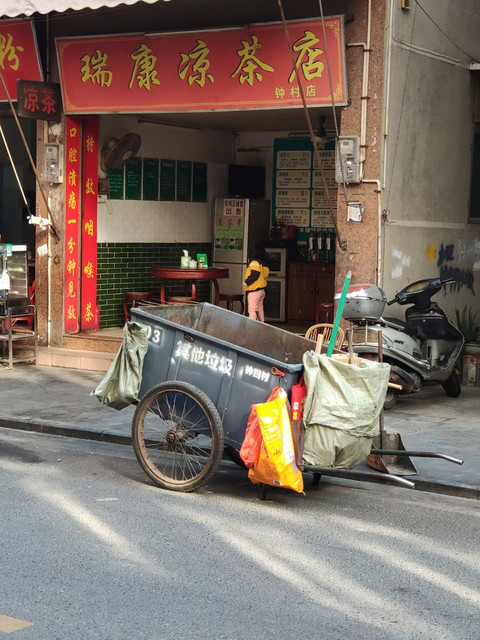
(230, 298)
(131, 298)
(325, 313)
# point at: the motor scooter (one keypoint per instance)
(425, 348)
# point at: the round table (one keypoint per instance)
(190, 276)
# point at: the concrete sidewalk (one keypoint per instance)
(57, 400)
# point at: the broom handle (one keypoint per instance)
(338, 315)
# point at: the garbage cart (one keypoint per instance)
(204, 368)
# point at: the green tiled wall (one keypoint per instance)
(127, 267)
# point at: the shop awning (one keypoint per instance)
(15, 8)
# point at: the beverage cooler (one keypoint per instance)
(240, 226)
(13, 276)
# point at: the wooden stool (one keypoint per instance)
(131, 298)
(325, 313)
(230, 298)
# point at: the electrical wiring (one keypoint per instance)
(472, 59)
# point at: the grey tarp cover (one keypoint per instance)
(342, 409)
(121, 384)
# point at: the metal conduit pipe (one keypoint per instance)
(379, 274)
(364, 97)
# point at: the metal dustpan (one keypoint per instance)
(389, 454)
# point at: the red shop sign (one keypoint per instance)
(39, 100)
(18, 55)
(233, 69)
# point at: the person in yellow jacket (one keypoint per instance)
(255, 282)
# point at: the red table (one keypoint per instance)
(190, 276)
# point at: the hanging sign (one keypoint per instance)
(247, 68)
(89, 311)
(39, 100)
(73, 139)
(18, 55)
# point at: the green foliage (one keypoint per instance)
(467, 324)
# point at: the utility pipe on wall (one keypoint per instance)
(363, 136)
(364, 97)
(379, 275)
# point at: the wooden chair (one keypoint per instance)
(131, 298)
(230, 298)
(325, 328)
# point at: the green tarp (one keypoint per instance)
(342, 409)
(121, 384)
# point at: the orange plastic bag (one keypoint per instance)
(276, 463)
(250, 449)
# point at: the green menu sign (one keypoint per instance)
(150, 179)
(133, 179)
(199, 182)
(184, 181)
(115, 182)
(167, 179)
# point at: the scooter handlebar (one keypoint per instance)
(402, 296)
(398, 298)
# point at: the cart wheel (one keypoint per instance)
(177, 435)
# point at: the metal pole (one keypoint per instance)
(15, 170)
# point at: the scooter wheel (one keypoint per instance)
(390, 399)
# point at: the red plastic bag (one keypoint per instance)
(298, 394)
(252, 442)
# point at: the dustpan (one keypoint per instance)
(388, 452)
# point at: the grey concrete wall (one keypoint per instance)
(428, 133)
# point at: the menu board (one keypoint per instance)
(133, 179)
(115, 182)
(167, 179)
(299, 196)
(199, 182)
(150, 179)
(184, 181)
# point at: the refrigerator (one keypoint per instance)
(239, 226)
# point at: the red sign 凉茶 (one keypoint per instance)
(249, 68)
(18, 55)
(39, 100)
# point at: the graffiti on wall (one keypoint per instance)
(402, 261)
(445, 262)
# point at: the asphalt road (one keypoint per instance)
(90, 549)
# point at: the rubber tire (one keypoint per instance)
(453, 384)
(183, 471)
(390, 399)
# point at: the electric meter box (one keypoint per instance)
(347, 160)
(53, 163)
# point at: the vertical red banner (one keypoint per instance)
(73, 146)
(89, 312)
